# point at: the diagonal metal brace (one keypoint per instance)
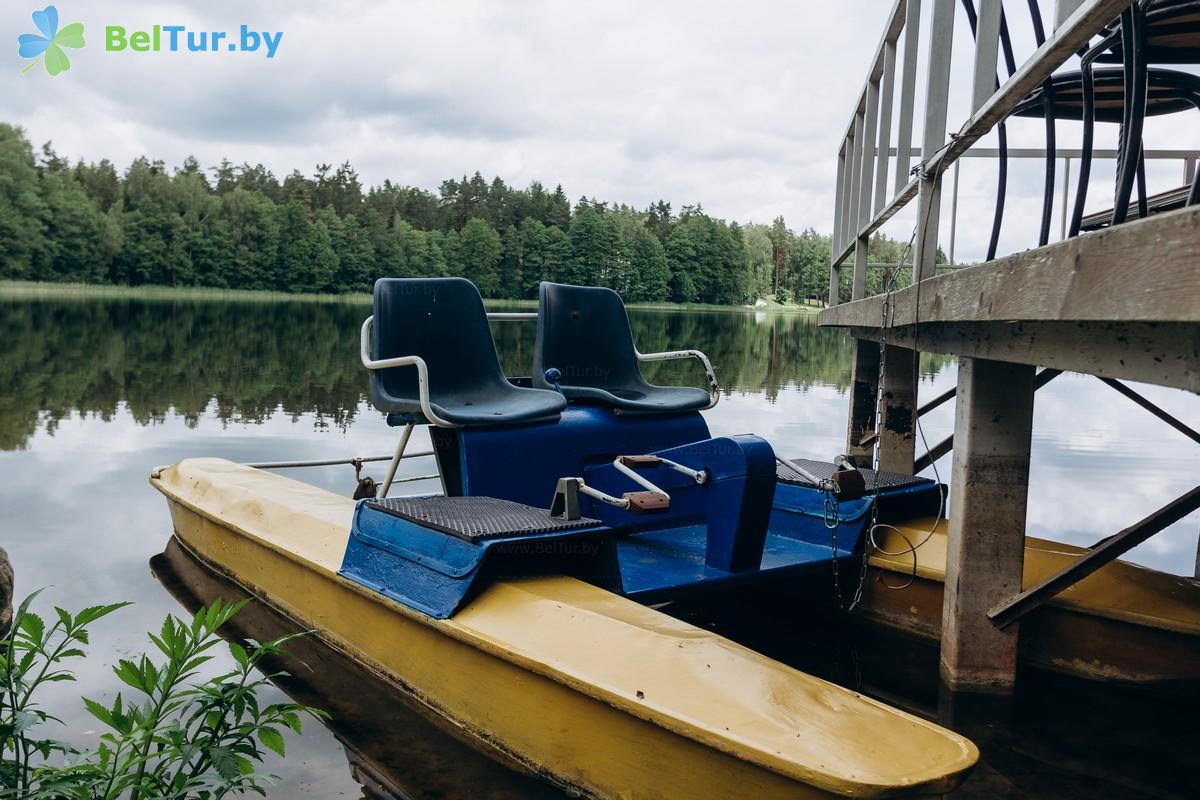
(1008, 612)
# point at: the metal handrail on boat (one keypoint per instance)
(329, 462)
(364, 343)
(714, 389)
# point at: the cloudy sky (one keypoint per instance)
(739, 106)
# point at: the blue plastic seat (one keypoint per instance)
(442, 322)
(583, 332)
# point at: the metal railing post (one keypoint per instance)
(838, 219)
(887, 90)
(908, 91)
(937, 93)
(987, 50)
(1064, 9)
(848, 192)
(866, 180)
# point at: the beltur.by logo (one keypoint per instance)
(174, 38)
(47, 47)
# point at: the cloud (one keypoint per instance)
(693, 102)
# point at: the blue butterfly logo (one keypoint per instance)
(47, 47)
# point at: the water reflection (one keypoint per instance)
(247, 361)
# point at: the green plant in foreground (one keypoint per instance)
(179, 735)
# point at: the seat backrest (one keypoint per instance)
(443, 321)
(583, 331)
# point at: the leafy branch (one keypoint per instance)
(178, 735)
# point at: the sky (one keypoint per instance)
(738, 106)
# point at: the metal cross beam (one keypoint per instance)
(1111, 549)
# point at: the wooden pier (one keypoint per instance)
(1119, 303)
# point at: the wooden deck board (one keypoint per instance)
(1121, 302)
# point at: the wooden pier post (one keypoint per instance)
(864, 389)
(897, 435)
(986, 545)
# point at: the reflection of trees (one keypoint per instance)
(247, 360)
(751, 353)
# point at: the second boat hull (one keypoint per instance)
(1125, 623)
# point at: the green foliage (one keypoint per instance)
(240, 227)
(22, 210)
(177, 735)
(649, 272)
(478, 256)
(595, 248)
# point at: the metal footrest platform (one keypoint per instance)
(476, 519)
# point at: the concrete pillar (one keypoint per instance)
(864, 387)
(986, 549)
(897, 439)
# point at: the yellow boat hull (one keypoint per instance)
(1123, 623)
(594, 692)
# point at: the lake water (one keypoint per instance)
(95, 393)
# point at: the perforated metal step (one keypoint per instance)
(477, 518)
(823, 469)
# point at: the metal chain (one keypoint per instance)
(832, 519)
(886, 314)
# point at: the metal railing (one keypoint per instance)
(867, 157)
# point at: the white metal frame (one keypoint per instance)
(700, 476)
(372, 364)
(861, 205)
(364, 343)
(714, 389)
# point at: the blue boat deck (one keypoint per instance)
(663, 564)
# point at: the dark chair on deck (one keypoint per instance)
(1100, 95)
(433, 360)
(585, 349)
(1148, 32)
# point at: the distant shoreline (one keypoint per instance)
(35, 290)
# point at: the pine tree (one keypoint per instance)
(681, 250)
(594, 249)
(650, 274)
(779, 243)
(22, 210)
(478, 255)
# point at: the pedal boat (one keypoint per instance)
(1125, 623)
(517, 605)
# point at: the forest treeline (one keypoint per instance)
(240, 227)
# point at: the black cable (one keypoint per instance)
(1088, 84)
(1039, 36)
(1010, 62)
(1135, 89)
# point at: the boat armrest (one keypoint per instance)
(714, 389)
(401, 361)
